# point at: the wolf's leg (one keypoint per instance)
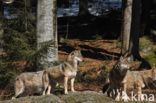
(113, 93)
(109, 92)
(18, 92)
(49, 89)
(124, 94)
(45, 81)
(72, 84)
(141, 96)
(117, 97)
(65, 85)
(19, 88)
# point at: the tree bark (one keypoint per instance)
(83, 8)
(47, 31)
(126, 26)
(1, 29)
(131, 29)
(28, 3)
(135, 31)
(1, 8)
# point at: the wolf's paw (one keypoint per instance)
(48, 93)
(74, 91)
(126, 100)
(65, 92)
(141, 97)
(13, 98)
(117, 98)
(125, 97)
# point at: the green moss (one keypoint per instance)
(66, 41)
(97, 37)
(145, 43)
(70, 100)
(151, 58)
(116, 44)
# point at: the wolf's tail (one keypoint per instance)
(106, 86)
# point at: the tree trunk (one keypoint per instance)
(47, 31)
(1, 9)
(1, 29)
(131, 29)
(34, 3)
(28, 3)
(83, 8)
(146, 7)
(122, 27)
(135, 31)
(126, 26)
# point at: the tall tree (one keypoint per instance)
(83, 7)
(1, 29)
(135, 31)
(126, 26)
(47, 30)
(28, 3)
(131, 29)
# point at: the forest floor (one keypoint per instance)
(97, 53)
(99, 58)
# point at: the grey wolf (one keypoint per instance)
(138, 80)
(116, 76)
(62, 73)
(28, 83)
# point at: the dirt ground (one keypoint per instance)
(97, 53)
(99, 58)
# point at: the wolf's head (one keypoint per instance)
(75, 55)
(123, 65)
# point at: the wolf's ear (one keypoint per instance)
(121, 58)
(79, 51)
(72, 53)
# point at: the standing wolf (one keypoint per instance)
(138, 80)
(115, 77)
(28, 83)
(62, 73)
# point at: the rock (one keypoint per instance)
(85, 97)
(35, 99)
(76, 97)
